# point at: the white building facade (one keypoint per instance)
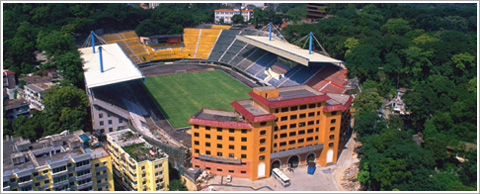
(227, 14)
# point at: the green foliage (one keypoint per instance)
(70, 66)
(237, 19)
(363, 61)
(177, 185)
(55, 43)
(397, 26)
(369, 101)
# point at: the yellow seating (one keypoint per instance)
(221, 27)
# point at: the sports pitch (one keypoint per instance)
(180, 96)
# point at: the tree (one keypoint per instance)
(70, 66)
(369, 101)
(55, 43)
(392, 172)
(177, 185)
(237, 19)
(363, 61)
(70, 105)
(397, 26)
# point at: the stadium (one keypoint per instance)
(155, 84)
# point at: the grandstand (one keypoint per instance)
(129, 43)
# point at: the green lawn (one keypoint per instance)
(180, 96)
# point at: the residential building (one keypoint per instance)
(316, 10)
(9, 84)
(34, 94)
(259, 5)
(278, 128)
(227, 14)
(138, 165)
(60, 162)
(16, 107)
(107, 118)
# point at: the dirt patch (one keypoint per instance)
(349, 180)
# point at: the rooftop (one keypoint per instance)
(116, 65)
(19, 153)
(219, 118)
(36, 79)
(217, 115)
(132, 143)
(251, 112)
(15, 103)
(287, 50)
(40, 87)
(293, 92)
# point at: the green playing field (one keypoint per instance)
(180, 96)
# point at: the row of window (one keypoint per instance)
(220, 154)
(295, 108)
(221, 170)
(110, 122)
(219, 129)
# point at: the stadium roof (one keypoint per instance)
(116, 65)
(287, 50)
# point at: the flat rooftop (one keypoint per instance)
(15, 103)
(117, 66)
(287, 50)
(293, 92)
(337, 99)
(217, 115)
(254, 110)
(132, 143)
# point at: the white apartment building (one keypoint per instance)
(227, 14)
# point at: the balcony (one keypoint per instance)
(158, 169)
(26, 183)
(310, 148)
(84, 167)
(42, 188)
(61, 183)
(14, 184)
(102, 176)
(85, 185)
(100, 168)
(85, 176)
(41, 177)
(59, 174)
(103, 184)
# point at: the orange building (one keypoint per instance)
(277, 128)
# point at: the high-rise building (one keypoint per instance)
(60, 162)
(316, 10)
(277, 128)
(138, 166)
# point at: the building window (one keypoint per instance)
(283, 127)
(197, 151)
(310, 123)
(243, 172)
(231, 155)
(231, 138)
(219, 153)
(332, 128)
(262, 149)
(311, 114)
(319, 105)
(283, 135)
(263, 123)
(208, 168)
(301, 132)
(262, 140)
(275, 136)
(293, 126)
(196, 134)
(244, 131)
(291, 142)
(244, 155)
(293, 108)
(244, 139)
(303, 107)
(276, 110)
(100, 115)
(293, 117)
(301, 140)
(230, 171)
(334, 112)
(311, 106)
(261, 158)
(310, 131)
(231, 147)
(101, 123)
(195, 126)
(207, 152)
(244, 147)
(110, 122)
(196, 143)
(310, 139)
(316, 129)
(275, 145)
(231, 130)
(219, 145)
(219, 169)
(275, 128)
(219, 129)
(207, 128)
(110, 129)
(301, 124)
(331, 137)
(284, 118)
(293, 133)
(285, 109)
(207, 144)
(333, 120)
(219, 137)
(318, 113)
(120, 120)
(330, 145)
(302, 115)
(283, 143)
(316, 137)
(207, 136)
(263, 132)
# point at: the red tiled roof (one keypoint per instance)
(5, 73)
(341, 107)
(250, 116)
(217, 123)
(288, 102)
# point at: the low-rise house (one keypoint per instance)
(15, 108)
